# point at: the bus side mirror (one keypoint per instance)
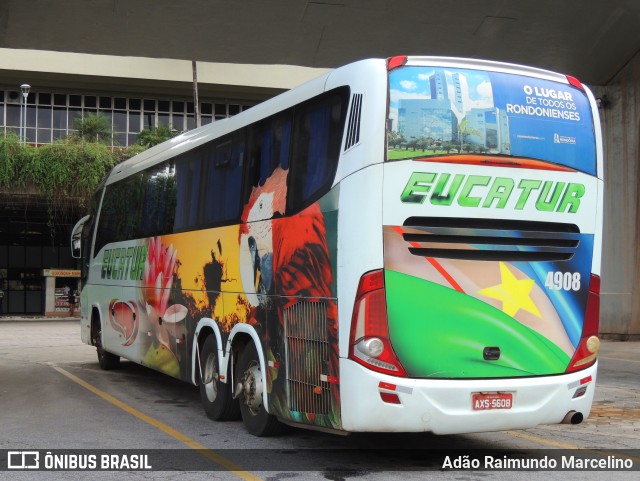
(76, 251)
(76, 237)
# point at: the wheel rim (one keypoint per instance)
(210, 375)
(252, 388)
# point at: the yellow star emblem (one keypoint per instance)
(515, 294)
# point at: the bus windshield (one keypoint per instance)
(436, 111)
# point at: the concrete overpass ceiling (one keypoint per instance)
(590, 39)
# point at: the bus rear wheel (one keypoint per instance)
(215, 395)
(254, 415)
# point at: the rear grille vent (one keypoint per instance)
(490, 239)
(307, 354)
(353, 127)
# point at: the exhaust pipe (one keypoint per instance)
(573, 417)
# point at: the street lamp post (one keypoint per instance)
(25, 93)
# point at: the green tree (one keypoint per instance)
(155, 135)
(13, 156)
(65, 173)
(464, 131)
(120, 154)
(430, 143)
(93, 128)
(425, 143)
(447, 147)
(69, 171)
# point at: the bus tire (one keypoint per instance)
(106, 360)
(254, 415)
(216, 397)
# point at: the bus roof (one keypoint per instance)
(480, 64)
(201, 135)
(196, 137)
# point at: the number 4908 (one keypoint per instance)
(567, 281)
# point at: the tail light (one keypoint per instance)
(575, 82)
(369, 341)
(395, 62)
(589, 345)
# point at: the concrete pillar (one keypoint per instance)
(620, 291)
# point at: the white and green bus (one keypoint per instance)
(410, 244)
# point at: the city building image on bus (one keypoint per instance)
(400, 245)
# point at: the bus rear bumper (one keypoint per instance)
(447, 406)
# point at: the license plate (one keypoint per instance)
(495, 400)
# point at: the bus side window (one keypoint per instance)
(223, 184)
(269, 144)
(158, 213)
(319, 125)
(282, 132)
(260, 153)
(188, 176)
(120, 217)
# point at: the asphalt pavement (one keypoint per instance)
(616, 407)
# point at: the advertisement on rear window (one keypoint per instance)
(446, 111)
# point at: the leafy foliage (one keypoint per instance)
(13, 155)
(69, 169)
(66, 172)
(155, 135)
(123, 153)
(93, 128)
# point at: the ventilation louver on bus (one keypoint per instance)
(490, 239)
(307, 354)
(353, 126)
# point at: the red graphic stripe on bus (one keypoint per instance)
(434, 263)
(497, 161)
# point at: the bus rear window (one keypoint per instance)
(437, 111)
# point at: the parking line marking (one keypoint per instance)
(537, 439)
(568, 446)
(183, 438)
(618, 359)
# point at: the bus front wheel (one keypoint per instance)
(254, 415)
(215, 395)
(106, 360)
